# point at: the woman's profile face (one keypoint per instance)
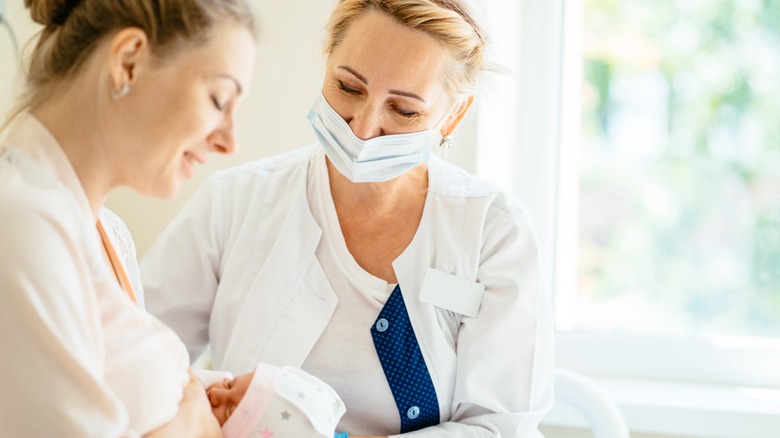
(384, 78)
(182, 109)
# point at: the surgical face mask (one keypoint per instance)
(376, 160)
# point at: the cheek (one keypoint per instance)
(185, 130)
(183, 111)
(339, 102)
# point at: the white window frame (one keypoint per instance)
(527, 142)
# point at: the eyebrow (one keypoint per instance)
(234, 80)
(365, 81)
(356, 74)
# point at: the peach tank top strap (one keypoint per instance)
(119, 269)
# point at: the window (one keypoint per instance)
(679, 169)
(644, 137)
(674, 187)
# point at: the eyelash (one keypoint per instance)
(405, 114)
(343, 87)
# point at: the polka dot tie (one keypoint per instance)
(404, 365)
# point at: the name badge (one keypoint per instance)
(452, 293)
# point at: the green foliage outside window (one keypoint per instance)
(680, 166)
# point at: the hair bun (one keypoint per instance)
(50, 12)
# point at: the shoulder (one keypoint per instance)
(480, 196)
(258, 191)
(30, 204)
(285, 166)
(42, 233)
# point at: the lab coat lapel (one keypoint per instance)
(290, 301)
(448, 218)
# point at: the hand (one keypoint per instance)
(197, 406)
(194, 419)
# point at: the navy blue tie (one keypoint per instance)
(404, 365)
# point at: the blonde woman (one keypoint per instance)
(409, 286)
(118, 94)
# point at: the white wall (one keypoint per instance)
(10, 78)
(271, 120)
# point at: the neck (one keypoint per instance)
(371, 200)
(74, 121)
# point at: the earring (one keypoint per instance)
(120, 93)
(445, 142)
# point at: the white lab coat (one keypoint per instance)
(79, 359)
(237, 269)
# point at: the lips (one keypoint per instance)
(193, 158)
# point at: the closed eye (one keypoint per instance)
(346, 89)
(406, 114)
(219, 106)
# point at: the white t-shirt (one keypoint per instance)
(344, 356)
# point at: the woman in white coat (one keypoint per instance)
(118, 94)
(411, 287)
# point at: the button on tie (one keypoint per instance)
(382, 325)
(413, 412)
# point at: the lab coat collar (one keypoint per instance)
(440, 213)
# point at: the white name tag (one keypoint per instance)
(452, 293)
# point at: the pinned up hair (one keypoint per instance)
(448, 21)
(74, 28)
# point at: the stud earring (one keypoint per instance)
(120, 93)
(445, 142)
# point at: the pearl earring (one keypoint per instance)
(445, 142)
(120, 93)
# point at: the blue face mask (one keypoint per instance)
(376, 160)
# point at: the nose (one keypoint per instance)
(216, 396)
(365, 122)
(223, 138)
